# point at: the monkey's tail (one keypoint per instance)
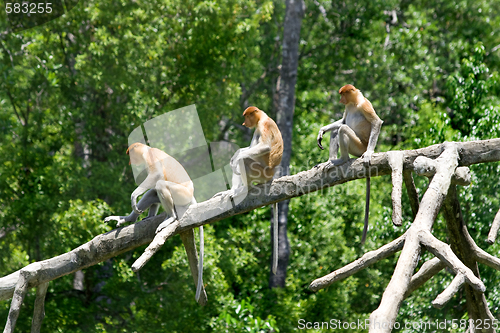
(199, 285)
(367, 210)
(275, 239)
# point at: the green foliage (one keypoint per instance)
(72, 90)
(239, 318)
(468, 89)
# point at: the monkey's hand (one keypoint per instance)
(164, 224)
(119, 219)
(320, 137)
(134, 206)
(367, 157)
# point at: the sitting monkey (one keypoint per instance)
(168, 182)
(356, 133)
(258, 163)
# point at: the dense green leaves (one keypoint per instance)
(72, 90)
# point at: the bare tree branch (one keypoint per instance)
(396, 162)
(366, 260)
(495, 226)
(424, 274)
(449, 292)
(443, 251)
(397, 288)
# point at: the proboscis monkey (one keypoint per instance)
(258, 163)
(356, 134)
(170, 183)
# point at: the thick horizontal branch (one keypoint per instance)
(99, 249)
(124, 239)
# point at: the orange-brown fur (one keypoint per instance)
(356, 134)
(269, 134)
(262, 159)
(173, 187)
(155, 157)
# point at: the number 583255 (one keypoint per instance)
(28, 8)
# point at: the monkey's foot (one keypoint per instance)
(338, 161)
(224, 194)
(164, 224)
(119, 219)
(320, 165)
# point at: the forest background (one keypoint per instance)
(72, 90)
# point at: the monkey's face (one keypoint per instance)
(250, 119)
(343, 98)
(348, 97)
(135, 152)
(135, 157)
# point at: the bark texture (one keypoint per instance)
(286, 108)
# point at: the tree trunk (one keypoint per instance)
(462, 244)
(288, 78)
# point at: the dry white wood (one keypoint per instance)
(39, 310)
(449, 292)
(443, 251)
(461, 176)
(385, 315)
(487, 259)
(481, 255)
(395, 159)
(427, 167)
(424, 274)
(20, 291)
(155, 245)
(495, 226)
(366, 260)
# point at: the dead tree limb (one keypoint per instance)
(495, 226)
(124, 239)
(39, 311)
(424, 274)
(395, 159)
(383, 318)
(366, 260)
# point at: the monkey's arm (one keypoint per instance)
(149, 200)
(147, 184)
(331, 127)
(376, 124)
(257, 150)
